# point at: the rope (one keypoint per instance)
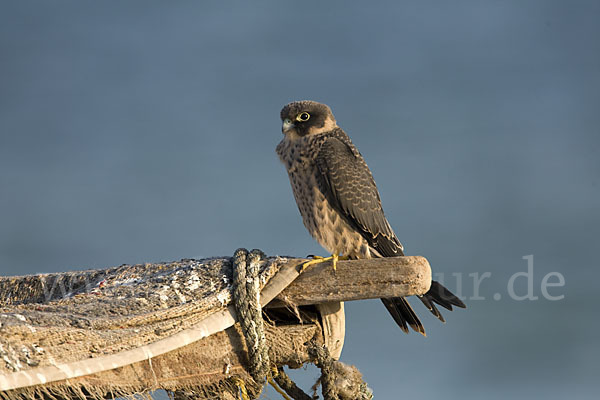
(288, 385)
(320, 354)
(246, 296)
(339, 381)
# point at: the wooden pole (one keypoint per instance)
(357, 280)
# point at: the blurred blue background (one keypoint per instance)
(145, 131)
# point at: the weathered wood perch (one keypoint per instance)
(138, 328)
(359, 280)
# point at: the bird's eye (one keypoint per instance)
(302, 117)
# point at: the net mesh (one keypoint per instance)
(56, 319)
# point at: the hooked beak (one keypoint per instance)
(287, 125)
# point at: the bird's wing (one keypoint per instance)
(346, 181)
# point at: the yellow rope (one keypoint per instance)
(277, 388)
(243, 393)
(241, 388)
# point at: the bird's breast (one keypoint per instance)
(296, 153)
(323, 221)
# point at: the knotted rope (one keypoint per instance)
(246, 296)
(335, 376)
(325, 363)
(289, 386)
(338, 381)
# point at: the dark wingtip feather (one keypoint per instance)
(443, 296)
(431, 307)
(403, 314)
(401, 322)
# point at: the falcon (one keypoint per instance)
(339, 201)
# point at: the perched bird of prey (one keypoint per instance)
(339, 202)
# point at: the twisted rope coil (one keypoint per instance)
(246, 296)
(325, 363)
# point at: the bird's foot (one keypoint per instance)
(334, 258)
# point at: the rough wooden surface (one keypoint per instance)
(358, 280)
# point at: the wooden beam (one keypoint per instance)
(357, 280)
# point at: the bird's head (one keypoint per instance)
(301, 118)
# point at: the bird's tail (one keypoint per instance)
(405, 316)
(438, 294)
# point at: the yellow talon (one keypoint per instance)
(314, 261)
(318, 260)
